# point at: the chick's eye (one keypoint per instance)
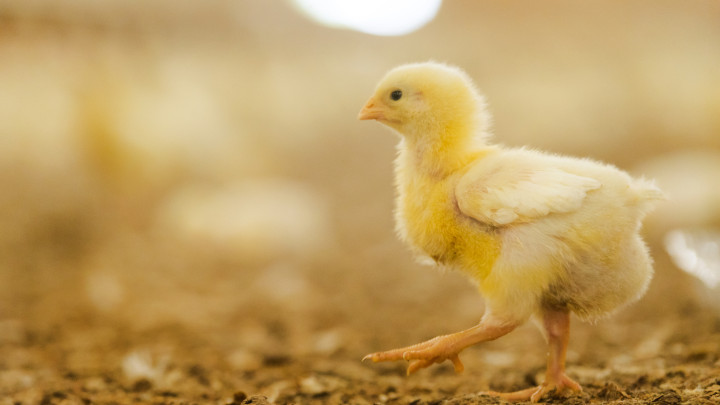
(396, 95)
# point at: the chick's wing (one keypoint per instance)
(500, 194)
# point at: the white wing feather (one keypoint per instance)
(504, 196)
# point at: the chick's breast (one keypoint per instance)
(429, 220)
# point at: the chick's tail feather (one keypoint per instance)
(647, 194)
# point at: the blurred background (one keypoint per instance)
(196, 169)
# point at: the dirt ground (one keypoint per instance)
(191, 214)
(653, 353)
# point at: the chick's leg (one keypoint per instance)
(446, 347)
(557, 326)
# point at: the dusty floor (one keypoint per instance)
(83, 360)
(663, 350)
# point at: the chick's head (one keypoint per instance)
(428, 99)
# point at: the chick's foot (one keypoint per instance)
(535, 394)
(446, 347)
(425, 354)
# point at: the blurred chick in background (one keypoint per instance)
(542, 235)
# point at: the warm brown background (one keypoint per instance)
(190, 212)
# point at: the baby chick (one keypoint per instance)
(542, 235)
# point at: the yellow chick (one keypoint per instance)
(542, 235)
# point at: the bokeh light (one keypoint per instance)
(377, 17)
(697, 252)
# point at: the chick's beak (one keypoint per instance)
(371, 111)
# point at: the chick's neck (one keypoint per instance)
(442, 153)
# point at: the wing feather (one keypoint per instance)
(501, 197)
